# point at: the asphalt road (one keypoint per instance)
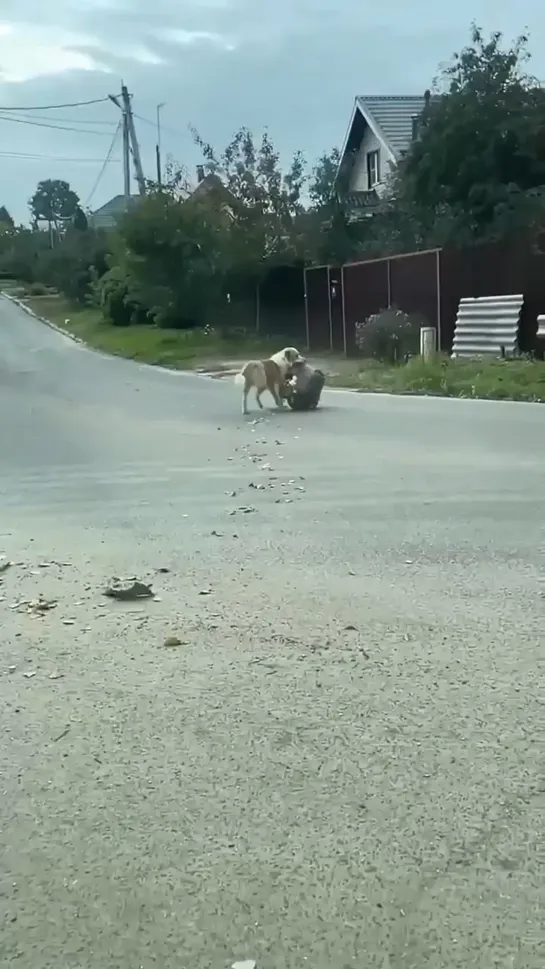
(342, 763)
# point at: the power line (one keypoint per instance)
(29, 156)
(154, 125)
(104, 165)
(55, 107)
(38, 117)
(55, 127)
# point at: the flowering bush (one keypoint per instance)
(390, 335)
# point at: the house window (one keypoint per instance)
(373, 174)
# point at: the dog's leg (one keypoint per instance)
(258, 398)
(245, 398)
(279, 401)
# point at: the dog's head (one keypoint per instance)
(291, 356)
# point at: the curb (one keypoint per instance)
(41, 319)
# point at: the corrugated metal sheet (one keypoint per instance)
(486, 324)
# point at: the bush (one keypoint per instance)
(116, 294)
(37, 289)
(390, 335)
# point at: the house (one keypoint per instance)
(381, 130)
(107, 215)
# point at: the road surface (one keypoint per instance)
(341, 765)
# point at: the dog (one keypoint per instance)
(268, 375)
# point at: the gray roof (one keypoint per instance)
(107, 215)
(393, 116)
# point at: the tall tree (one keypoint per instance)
(53, 202)
(265, 202)
(6, 222)
(478, 164)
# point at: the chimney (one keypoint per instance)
(200, 173)
(414, 122)
(427, 96)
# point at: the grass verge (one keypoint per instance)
(180, 349)
(476, 378)
(186, 349)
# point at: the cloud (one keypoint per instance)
(293, 66)
(28, 52)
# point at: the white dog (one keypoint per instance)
(267, 375)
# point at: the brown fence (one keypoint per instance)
(430, 283)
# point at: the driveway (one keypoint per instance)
(340, 762)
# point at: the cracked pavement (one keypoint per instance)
(341, 764)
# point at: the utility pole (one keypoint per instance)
(158, 145)
(127, 110)
(126, 159)
(129, 141)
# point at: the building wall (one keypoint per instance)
(358, 177)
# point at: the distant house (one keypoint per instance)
(108, 214)
(380, 132)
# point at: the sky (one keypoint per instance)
(291, 66)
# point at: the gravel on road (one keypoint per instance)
(319, 742)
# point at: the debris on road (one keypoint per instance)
(205, 592)
(30, 674)
(129, 591)
(171, 642)
(56, 676)
(244, 509)
(5, 564)
(244, 964)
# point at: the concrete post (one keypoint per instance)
(428, 342)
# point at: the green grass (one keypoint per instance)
(186, 349)
(181, 349)
(479, 378)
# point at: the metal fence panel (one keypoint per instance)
(486, 324)
(317, 307)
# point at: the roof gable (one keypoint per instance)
(392, 118)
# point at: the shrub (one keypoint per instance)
(116, 293)
(389, 335)
(37, 289)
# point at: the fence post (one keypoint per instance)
(329, 307)
(305, 297)
(389, 283)
(343, 304)
(428, 342)
(438, 283)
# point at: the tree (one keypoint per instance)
(53, 202)
(478, 165)
(79, 220)
(173, 254)
(6, 222)
(322, 187)
(265, 203)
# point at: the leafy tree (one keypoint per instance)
(176, 250)
(265, 203)
(21, 259)
(478, 165)
(323, 179)
(53, 202)
(79, 220)
(6, 222)
(74, 262)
